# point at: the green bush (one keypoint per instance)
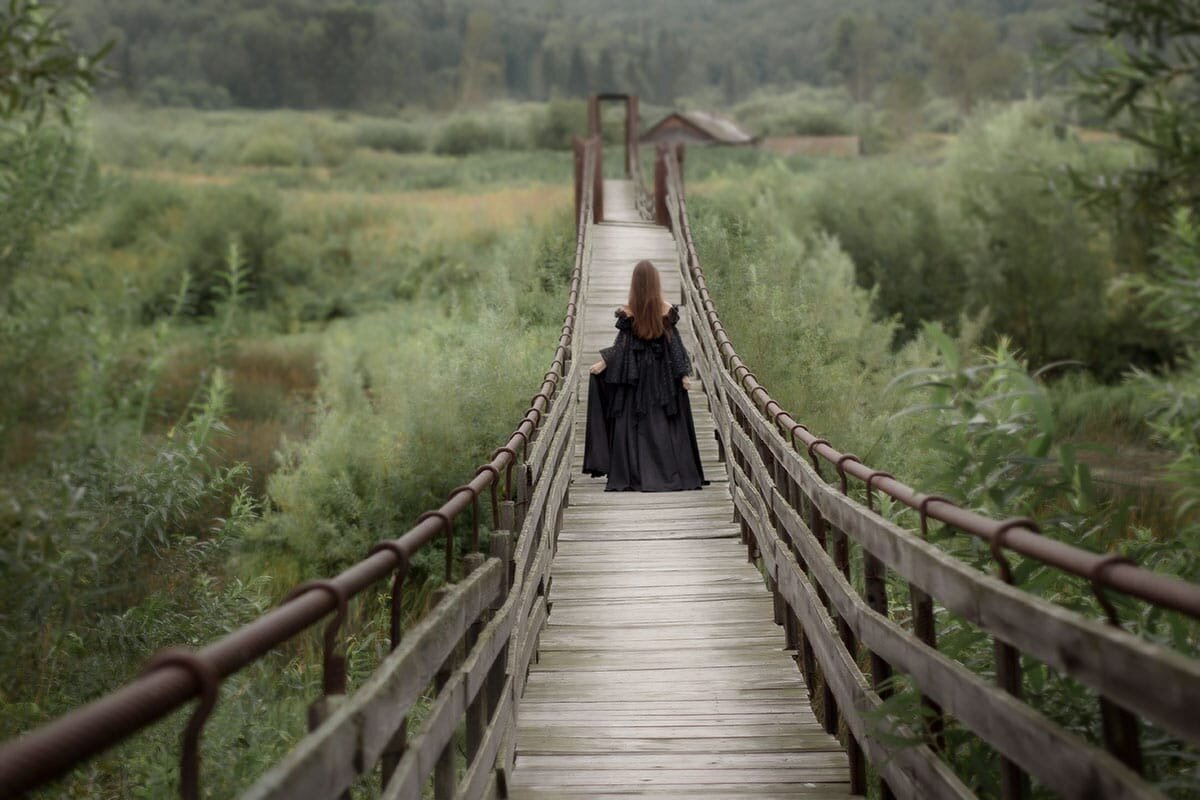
(390, 437)
(139, 208)
(390, 136)
(1032, 255)
(810, 122)
(250, 218)
(169, 91)
(890, 221)
(794, 308)
(556, 127)
(273, 147)
(465, 135)
(804, 112)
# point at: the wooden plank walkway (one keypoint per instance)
(661, 673)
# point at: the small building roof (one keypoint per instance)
(709, 126)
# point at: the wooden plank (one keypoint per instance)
(561, 741)
(721, 791)
(653, 708)
(603, 660)
(638, 580)
(823, 762)
(674, 777)
(620, 533)
(703, 738)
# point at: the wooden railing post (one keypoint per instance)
(662, 216)
(578, 147)
(598, 181)
(524, 493)
(320, 711)
(445, 772)
(501, 548)
(593, 113)
(477, 710)
(631, 133)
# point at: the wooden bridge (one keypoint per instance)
(733, 642)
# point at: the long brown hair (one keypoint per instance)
(646, 301)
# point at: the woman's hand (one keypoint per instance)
(598, 367)
(687, 383)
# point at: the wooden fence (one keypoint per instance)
(807, 533)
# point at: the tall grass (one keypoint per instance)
(971, 422)
(192, 430)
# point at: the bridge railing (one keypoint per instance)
(643, 200)
(469, 655)
(802, 530)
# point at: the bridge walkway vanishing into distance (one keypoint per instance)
(661, 670)
(734, 642)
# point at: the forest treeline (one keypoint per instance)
(367, 54)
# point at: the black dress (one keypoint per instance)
(640, 431)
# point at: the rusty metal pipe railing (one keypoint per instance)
(1161, 590)
(53, 749)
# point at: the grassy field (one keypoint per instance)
(274, 340)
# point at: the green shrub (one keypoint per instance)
(390, 136)
(330, 142)
(273, 147)
(1032, 256)
(169, 91)
(47, 179)
(810, 122)
(556, 127)
(890, 221)
(465, 135)
(795, 310)
(250, 218)
(804, 112)
(138, 208)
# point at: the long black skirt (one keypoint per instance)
(653, 453)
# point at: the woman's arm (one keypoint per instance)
(608, 353)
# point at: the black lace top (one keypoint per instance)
(652, 367)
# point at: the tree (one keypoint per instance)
(857, 54)
(605, 79)
(45, 177)
(40, 70)
(903, 99)
(670, 65)
(1142, 72)
(578, 81)
(478, 72)
(968, 62)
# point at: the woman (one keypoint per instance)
(639, 423)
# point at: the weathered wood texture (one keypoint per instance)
(660, 672)
(469, 655)
(803, 530)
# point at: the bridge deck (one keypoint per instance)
(661, 672)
